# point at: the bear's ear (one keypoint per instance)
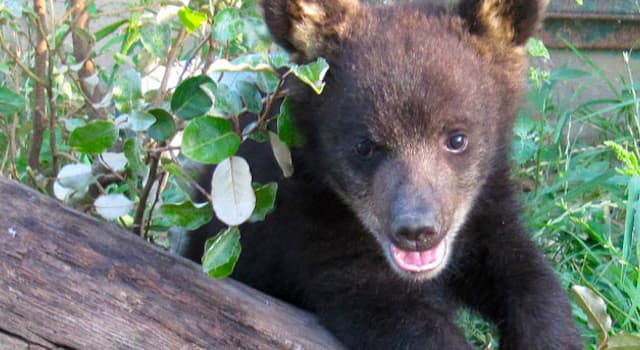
(309, 28)
(506, 22)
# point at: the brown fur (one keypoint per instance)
(403, 79)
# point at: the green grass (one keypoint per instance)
(575, 191)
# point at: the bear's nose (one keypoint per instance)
(415, 233)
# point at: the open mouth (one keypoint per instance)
(419, 261)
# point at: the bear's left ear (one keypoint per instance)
(505, 22)
(309, 28)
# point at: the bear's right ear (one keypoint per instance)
(309, 28)
(507, 23)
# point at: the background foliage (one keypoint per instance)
(114, 121)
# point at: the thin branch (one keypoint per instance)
(151, 179)
(193, 182)
(18, 62)
(171, 58)
(81, 51)
(161, 180)
(39, 110)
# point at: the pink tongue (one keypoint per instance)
(419, 261)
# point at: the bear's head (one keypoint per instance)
(416, 115)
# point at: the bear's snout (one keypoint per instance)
(415, 232)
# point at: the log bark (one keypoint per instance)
(69, 281)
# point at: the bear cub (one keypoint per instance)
(401, 209)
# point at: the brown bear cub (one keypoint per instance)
(401, 210)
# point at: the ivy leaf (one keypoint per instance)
(114, 161)
(265, 201)
(95, 137)
(282, 154)
(135, 154)
(113, 206)
(227, 25)
(140, 120)
(287, 131)
(127, 91)
(187, 214)
(190, 19)
(164, 126)
(312, 74)
(227, 101)
(190, 100)
(156, 39)
(10, 102)
(75, 176)
(250, 96)
(231, 191)
(222, 253)
(209, 140)
(252, 63)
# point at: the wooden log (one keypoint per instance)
(70, 281)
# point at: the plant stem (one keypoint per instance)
(40, 69)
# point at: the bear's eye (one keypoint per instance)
(364, 148)
(457, 142)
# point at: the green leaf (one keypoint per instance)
(127, 91)
(156, 39)
(227, 25)
(222, 253)
(251, 63)
(140, 120)
(227, 101)
(255, 131)
(209, 140)
(312, 74)
(134, 153)
(251, 97)
(566, 73)
(186, 215)
(265, 201)
(164, 126)
(10, 102)
(523, 124)
(280, 58)
(105, 31)
(190, 100)
(287, 131)
(175, 170)
(267, 82)
(536, 48)
(190, 19)
(523, 149)
(95, 137)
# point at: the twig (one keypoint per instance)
(39, 120)
(195, 183)
(18, 62)
(171, 57)
(12, 147)
(163, 176)
(151, 179)
(81, 51)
